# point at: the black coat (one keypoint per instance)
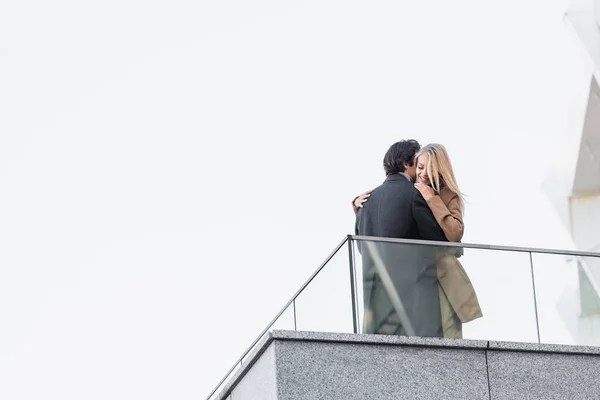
(397, 210)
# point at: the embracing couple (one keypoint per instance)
(412, 289)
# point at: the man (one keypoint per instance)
(399, 280)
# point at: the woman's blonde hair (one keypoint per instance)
(439, 170)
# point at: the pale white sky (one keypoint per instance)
(170, 172)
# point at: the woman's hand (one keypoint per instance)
(425, 190)
(358, 202)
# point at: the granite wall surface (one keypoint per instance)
(310, 366)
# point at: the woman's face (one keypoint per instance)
(422, 176)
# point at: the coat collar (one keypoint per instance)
(398, 176)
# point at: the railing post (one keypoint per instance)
(295, 323)
(353, 283)
(537, 321)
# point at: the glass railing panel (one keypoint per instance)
(326, 287)
(424, 289)
(504, 286)
(285, 321)
(398, 287)
(568, 298)
(325, 305)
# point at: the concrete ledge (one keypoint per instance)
(543, 375)
(434, 342)
(379, 339)
(377, 368)
(544, 348)
(310, 365)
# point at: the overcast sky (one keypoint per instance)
(172, 171)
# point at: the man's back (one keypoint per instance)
(396, 209)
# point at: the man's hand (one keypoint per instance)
(426, 191)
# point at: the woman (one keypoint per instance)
(437, 183)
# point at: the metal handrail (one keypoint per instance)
(477, 246)
(350, 238)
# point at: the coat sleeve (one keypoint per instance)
(448, 215)
(426, 223)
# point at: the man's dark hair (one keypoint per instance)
(399, 153)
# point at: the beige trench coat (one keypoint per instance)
(458, 300)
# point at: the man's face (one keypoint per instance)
(411, 171)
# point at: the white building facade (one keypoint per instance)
(576, 193)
